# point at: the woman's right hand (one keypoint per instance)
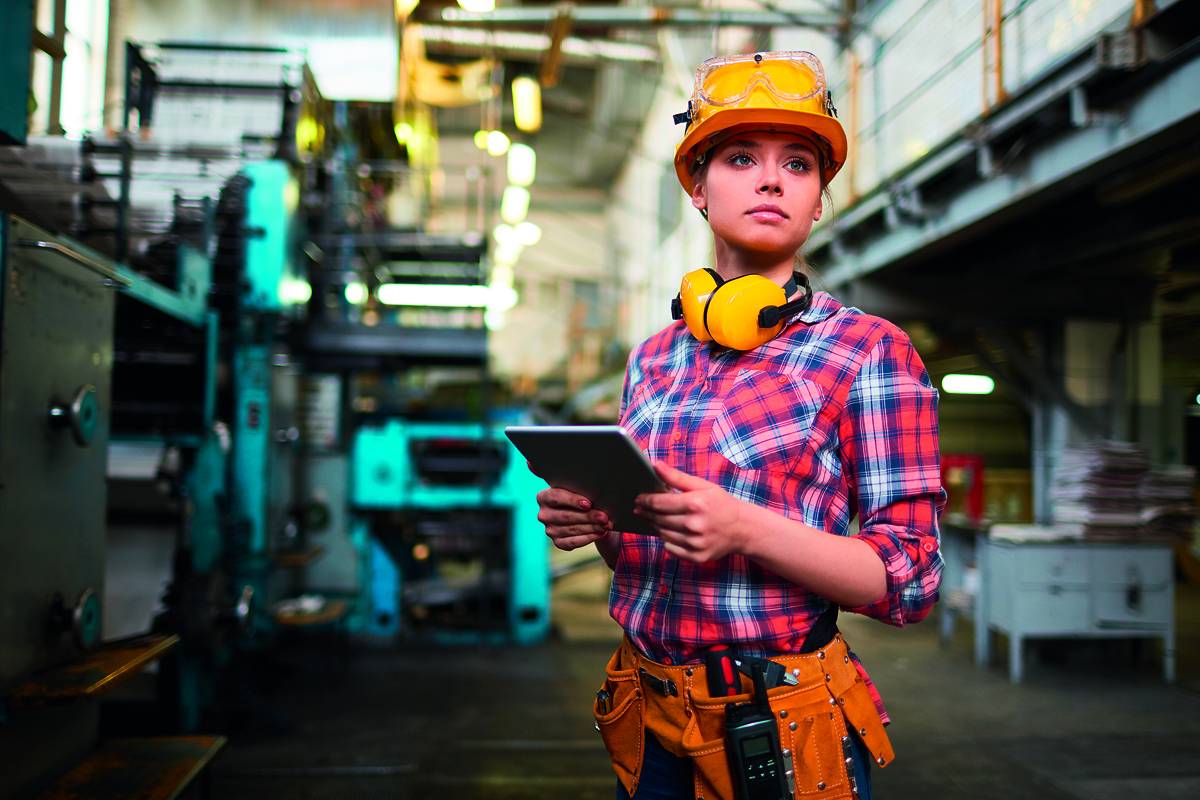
(570, 520)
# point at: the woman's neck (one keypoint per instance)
(735, 262)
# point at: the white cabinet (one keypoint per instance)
(1085, 589)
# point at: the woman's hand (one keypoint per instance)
(569, 519)
(700, 522)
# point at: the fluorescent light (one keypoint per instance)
(494, 320)
(528, 233)
(507, 252)
(294, 291)
(497, 143)
(527, 104)
(514, 204)
(968, 384)
(356, 293)
(481, 139)
(522, 165)
(404, 132)
(439, 295)
(504, 234)
(478, 6)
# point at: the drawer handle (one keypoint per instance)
(1133, 598)
(110, 275)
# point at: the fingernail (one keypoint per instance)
(585, 503)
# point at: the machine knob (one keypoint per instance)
(81, 415)
(85, 620)
(82, 619)
(240, 616)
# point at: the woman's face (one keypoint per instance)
(762, 192)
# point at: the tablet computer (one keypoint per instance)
(600, 462)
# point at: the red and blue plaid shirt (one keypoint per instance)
(832, 419)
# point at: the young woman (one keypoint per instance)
(776, 416)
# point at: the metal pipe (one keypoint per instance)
(624, 17)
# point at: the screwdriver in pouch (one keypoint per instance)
(721, 671)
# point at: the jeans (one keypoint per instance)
(665, 776)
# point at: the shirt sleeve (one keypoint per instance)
(889, 441)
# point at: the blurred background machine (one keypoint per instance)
(236, 474)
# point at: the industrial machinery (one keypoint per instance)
(441, 534)
(145, 393)
(454, 542)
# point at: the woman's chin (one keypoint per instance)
(767, 248)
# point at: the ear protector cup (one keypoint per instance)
(694, 292)
(741, 313)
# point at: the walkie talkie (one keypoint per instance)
(756, 761)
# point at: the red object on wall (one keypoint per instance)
(962, 475)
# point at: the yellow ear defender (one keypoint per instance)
(741, 313)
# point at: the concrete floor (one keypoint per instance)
(1092, 720)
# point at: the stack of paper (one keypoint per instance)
(1169, 503)
(1097, 486)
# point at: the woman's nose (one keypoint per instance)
(769, 182)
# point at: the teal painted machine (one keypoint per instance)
(446, 518)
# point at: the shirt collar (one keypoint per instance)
(823, 307)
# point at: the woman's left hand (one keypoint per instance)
(700, 522)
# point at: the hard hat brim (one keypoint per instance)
(771, 119)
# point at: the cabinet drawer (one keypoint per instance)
(1051, 610)
(1149, 567)
(1133, 607)
(1042, 566)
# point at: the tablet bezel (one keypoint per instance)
(600, 462)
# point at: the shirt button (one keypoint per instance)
(782, 379)
(668, 661)
(928, 547)
(676, 436)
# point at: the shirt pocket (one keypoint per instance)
(645, 407)
(764, 420)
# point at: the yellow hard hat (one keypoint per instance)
(781, 91)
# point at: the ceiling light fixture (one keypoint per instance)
(968, 384)
(522, 165)
(527, 104)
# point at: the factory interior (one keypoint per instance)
(276, 275)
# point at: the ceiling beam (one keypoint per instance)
(626, 17)
(526, 46)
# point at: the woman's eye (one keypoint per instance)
(798, 164)
(740, 160)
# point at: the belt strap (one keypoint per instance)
(664, 686)
(822, 631)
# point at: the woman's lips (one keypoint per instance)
(767, 213)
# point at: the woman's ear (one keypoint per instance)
(699, 198)
(818, 210)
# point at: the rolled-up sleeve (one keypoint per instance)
(889, 445)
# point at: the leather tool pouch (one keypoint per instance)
(814, 719)
(618, 711)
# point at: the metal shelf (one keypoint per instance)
(157, 768)
(92, 673)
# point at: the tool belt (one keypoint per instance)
(815, 717)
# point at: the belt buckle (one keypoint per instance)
(664, 686)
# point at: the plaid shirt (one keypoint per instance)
(835, 417)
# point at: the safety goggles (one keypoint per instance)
(790, 76)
